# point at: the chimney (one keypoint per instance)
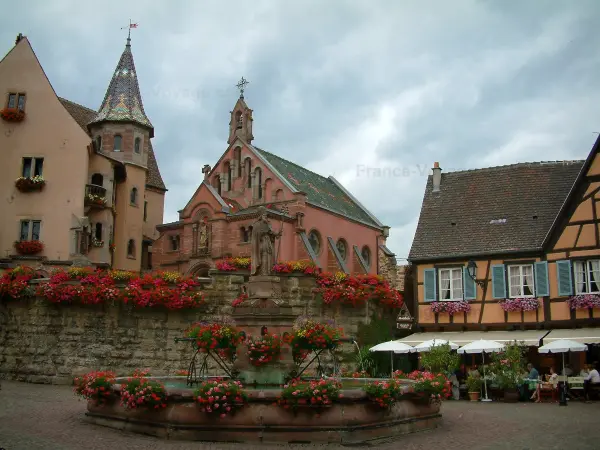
(19, 37)
(206, 171)
(437, 176)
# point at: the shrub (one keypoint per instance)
(474, 383)
(220, 397)
(138, 392)
(428, 384)
(96, 386)
(315, 393)
(384, 393)
(264, 350)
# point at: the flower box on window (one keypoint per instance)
(520, 304)
(28, 247)
(97, 242)
(450, 307)
(30, 184)
(95, 200)
(584, 301)
(12, 115)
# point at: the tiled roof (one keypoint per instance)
(83, 115)
(494, 210)
(320, 191)
(123, 101)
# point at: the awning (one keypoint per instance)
(529, 337)
(581, 335)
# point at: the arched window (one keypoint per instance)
(175, 241)
(238, 160)
(133, 196)
(97, 179)
(279, 194)
(218, 184)
(258, 182)
(238, 120)
(315, 241)
(131, 248)
(342, 248)
(99, 143)
(366, 256)
(117, 143)
(248, 163)
(137, 146)
(227, 168)
(98, 231)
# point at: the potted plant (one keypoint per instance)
(506, 368)
(28, 247)
(474, 387)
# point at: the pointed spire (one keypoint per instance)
(123, 101)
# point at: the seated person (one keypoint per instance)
(551, 384)
(592, 380)
(533, 373)
(584, 371)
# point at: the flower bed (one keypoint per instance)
(14, 284)
(95, 386)
(29, 247)
(428, 384)
(220, 398)
(450, 307)
(222, 337)
(584, 301)
(29, 184)
(139, 392)
(264, 350)
(356, 290)
(12, 115)
(520, 304)
(233, 264)
(305, 267)
(309, 335)
(384, 393)
(321, 393)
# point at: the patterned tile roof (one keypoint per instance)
(320, 191)
(83, 115)
(123, 101)
(492, 211)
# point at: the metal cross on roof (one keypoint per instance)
(242, 86)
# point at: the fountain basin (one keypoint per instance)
(352, 419)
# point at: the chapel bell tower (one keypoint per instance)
(240, 125)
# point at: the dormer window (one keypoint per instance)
(117, 143)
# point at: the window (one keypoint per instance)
(131, 248)
(366, 255)
(12, 101)
(227, 168)
(451, 284)
(238, 161)
(587, 276)
(246, 234)
(248, 163)
(133, 196)
(520, 281)
(258, 182)
(342, 248)
(145, 211)
(117, 143)
(175, 240)
(99, 143)
(16, 101)
(279, 194)
(218, 184)
(32, 167)
(315, 241)
(30, 230)
(98, 231)
(21, 102)
(137, 145)
(97, 179)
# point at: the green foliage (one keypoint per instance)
(474, 383)
(364, 361)
(379, 329)
(508, 366)
(440, 358)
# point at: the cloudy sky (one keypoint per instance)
(372, 92)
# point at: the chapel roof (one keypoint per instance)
(493, 210)
(322, 192)
(84, 115)
(123, 101)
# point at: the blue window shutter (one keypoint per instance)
(498, 281)
(470, 291)
(429, 285)
(563, 275)
(542, 289)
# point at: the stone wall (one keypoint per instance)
(49, 343)
(391, 271)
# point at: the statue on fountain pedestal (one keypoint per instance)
(263, 245)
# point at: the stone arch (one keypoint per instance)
(248, 171)
(267, 194)
(237, 157)
(227, 171)
(200, 269)
(279, 195)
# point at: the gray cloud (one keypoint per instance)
(339, 85)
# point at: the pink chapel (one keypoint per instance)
(319, 219)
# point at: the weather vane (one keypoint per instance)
(131, 25)
(242, 86)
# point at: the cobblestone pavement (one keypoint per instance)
(50, 418)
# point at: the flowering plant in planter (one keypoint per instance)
(302, 266)
(321, 393)
(221, 336)
(428, 384)
(233, 264)
(182, 373)
(520, 304)
(96, 386)
(384, 393)
(170, 277)
(239, 300)
(450, 307)
(141, 373)
(220, 397)
(93, 199)
(12, 114)
(29, 247)
(28, 184)
(356, 290)
(309, 335)
(584, 301)
(97, 242)
(121, 275)
(264, 350)
(14, 284)
(138, 392)
(355, 374)
(178, 297)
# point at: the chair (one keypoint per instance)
(576, 387)
(548, 390)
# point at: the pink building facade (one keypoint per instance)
(321, 221)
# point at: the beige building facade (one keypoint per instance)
(78, 184)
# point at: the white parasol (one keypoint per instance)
(563, 346)
(426, 346)
(482, 346)
(393, 347)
